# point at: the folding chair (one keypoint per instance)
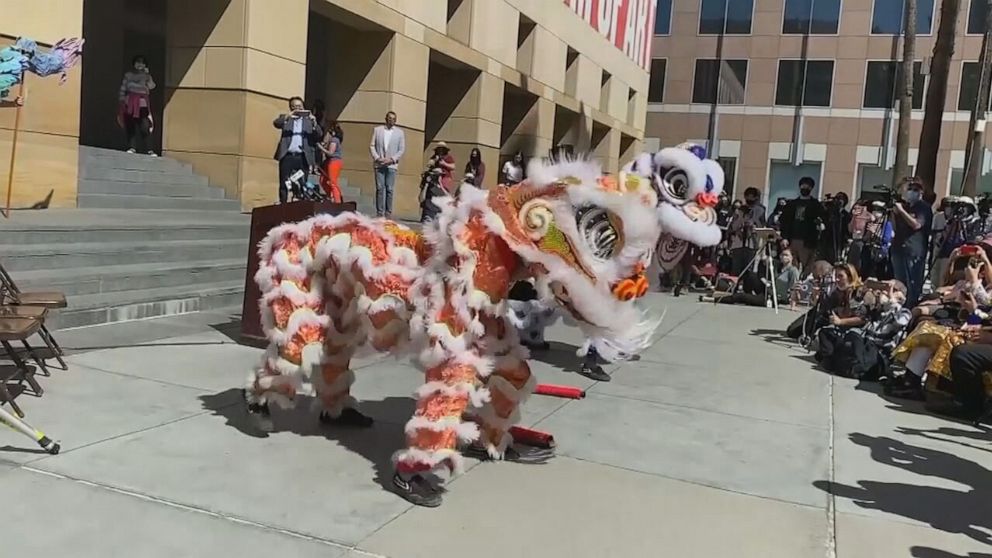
(10, 294)
(18, 328)
(34, 312)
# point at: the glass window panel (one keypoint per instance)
(789, 87)
(882, 83)
(711, 17)
(819, 83)
(811, 16)
(715, 80)
(887, 17)
(729, 166)
(976, 17)
(656, 86)
(663, 18)
(783, 179)
(732, 17)
(968, 92)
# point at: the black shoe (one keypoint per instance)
(677, 291)
(543, 346)
(417, 491)
(594, 372)
(348, 417)
(907, 386)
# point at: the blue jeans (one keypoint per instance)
(908, 268)
(385, 182)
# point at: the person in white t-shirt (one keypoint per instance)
(513, 170)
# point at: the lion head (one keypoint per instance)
(587, 239)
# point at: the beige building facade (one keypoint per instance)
(500, 75)
(792, 88)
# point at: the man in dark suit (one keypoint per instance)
(297, 144)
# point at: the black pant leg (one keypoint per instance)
(287, 166)
(968, 363)
(144, 131)
(131, 131)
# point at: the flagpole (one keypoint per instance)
(13, 148)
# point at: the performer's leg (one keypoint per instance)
(295, 323)
(435, 430)
(510, 384)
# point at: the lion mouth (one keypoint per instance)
(700, 214)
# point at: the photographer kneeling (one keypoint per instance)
(755, 292)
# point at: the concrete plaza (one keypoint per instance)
(722, 440)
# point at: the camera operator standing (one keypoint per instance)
(836, 224)
(962, 225)
(800, 223)
(746, 217)
(911, 220)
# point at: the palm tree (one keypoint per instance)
(906, 90)
(976, 139)
(936, 96)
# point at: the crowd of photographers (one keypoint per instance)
(892, 290)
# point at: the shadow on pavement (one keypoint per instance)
(560, 355)
(953, 511)
(376, 444)
(926, 552)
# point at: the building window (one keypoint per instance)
(968, 93)
(816, 17)
(976, 17)
(719, 81)
(656, 85)
(663, 18)
(730, 17)
(807, 83)
(729, 166)
(887, 17)
(882, 83)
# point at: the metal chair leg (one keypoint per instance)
(8, 398)
(27, 375)
(49, 339)
(38, 360)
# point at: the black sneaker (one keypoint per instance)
(348, 417)
(594, 372)
(418, 491)
(260, 416)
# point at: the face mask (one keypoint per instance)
(805, 192)
(911, 196)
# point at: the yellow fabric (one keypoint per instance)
(940, 339)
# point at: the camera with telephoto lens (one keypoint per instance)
(888, 195)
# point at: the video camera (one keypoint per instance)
(888, 195)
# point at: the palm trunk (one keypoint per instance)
(976, 138)
(901, 168)
(933, 115)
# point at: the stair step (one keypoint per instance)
(150, 189)
(93, 309)
(29, 235)
(129, 161)
(107, 173)
(115, 278)
(112, 201)
(93, 254)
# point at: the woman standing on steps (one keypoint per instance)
(135, 114)
(331, 171)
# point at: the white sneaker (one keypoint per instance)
(152, 154)
(131, 150)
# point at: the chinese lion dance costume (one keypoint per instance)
(335, 286)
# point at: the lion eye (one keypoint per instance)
(677, 184)
(598, 232)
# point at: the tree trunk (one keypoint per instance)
(976, 138)
(933, 115)
(901, 167)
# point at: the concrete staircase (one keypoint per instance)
(117, 180)
(150, 238)
(366, 203)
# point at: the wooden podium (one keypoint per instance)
(264, 219)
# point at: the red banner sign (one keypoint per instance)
(628, 24)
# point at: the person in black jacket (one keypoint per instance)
(801, 221)
(296, 152)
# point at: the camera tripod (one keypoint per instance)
(763, 253)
